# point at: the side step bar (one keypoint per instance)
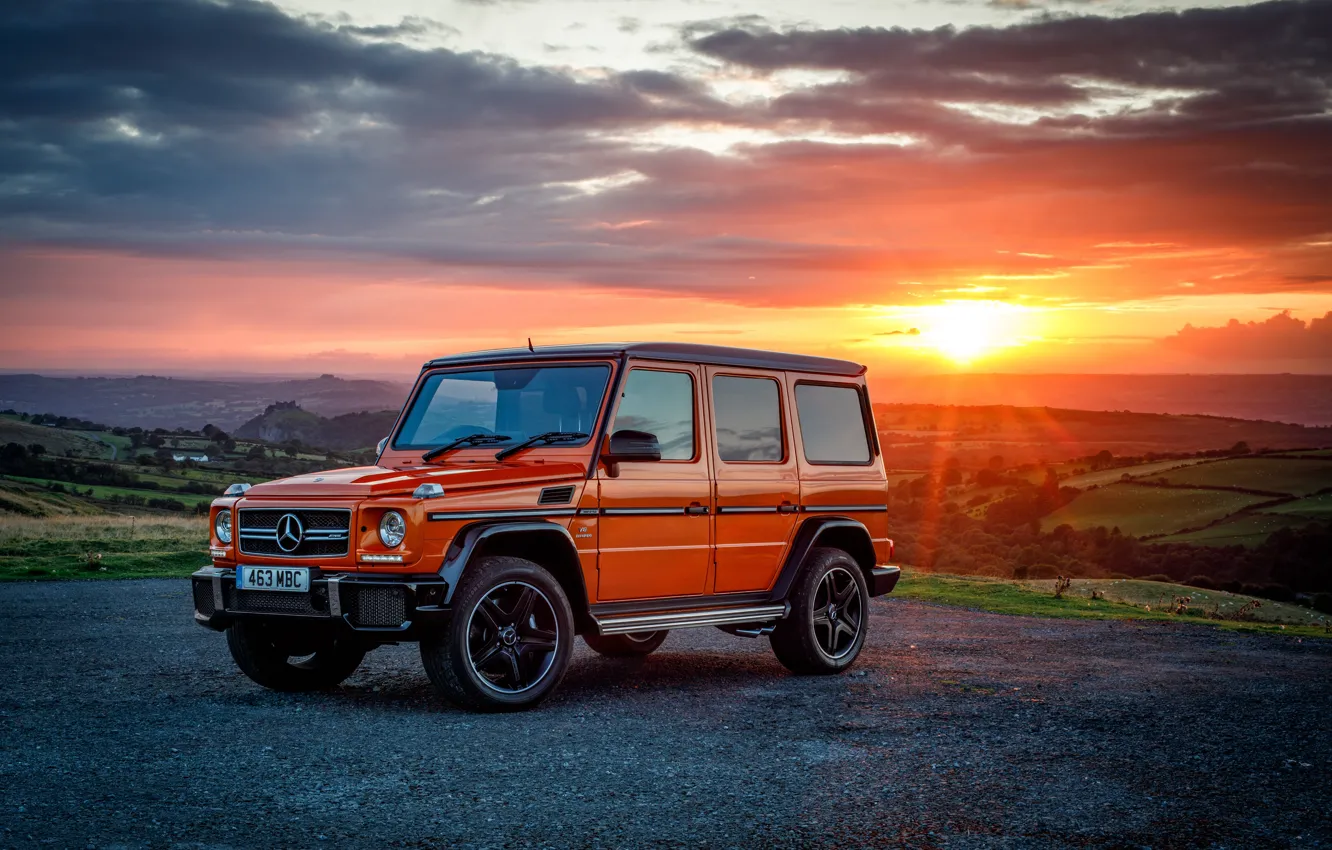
(691, 619)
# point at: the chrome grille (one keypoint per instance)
(325, 532)
(375, 606)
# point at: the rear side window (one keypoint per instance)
(748, 418)
(832, 424)
(660, 403)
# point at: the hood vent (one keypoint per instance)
(556, 495)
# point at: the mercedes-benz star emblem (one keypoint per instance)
(290, 532)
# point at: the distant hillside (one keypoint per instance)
(285, 422)
(920, 436)
(1305, 399)
(154, 402)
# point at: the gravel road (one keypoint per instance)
(122, 724)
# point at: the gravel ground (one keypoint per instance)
(122, 724)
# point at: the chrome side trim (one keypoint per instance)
(747, 509)
(691, 619)
(843, 509)
(676, 511)
(510, 514)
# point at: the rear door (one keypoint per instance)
(758, 481)
(656, 516)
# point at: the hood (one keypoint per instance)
(367, 481)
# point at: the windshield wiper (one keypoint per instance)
(548, 437)
(469, 440)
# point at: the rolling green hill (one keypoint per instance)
(1143, 510)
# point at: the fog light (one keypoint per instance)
(218, 553)
(381, 559)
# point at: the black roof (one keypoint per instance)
(717, 355)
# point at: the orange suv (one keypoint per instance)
(527, 496)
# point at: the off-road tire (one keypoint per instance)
(626, 646)
(264, 653)
(801, 640)
(450, 654)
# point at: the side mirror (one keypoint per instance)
(627, 445)
(379, 447)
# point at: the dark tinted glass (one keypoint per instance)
(832, 424)
(517, 403)
(749, 418)
(660, 403)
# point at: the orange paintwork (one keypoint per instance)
(625, 552)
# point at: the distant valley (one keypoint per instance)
(157, 402)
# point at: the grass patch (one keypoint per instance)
(1244, 530)
(105, 493)
(1142, 510)
(1314, 507)
(1297, 477)
(130, 547)
(1033, 599)
(1102, 477)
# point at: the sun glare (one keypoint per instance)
(965, 331)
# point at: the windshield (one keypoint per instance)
(518, 403)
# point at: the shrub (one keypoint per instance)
(1043, 571)
(1201, 582)
(1021, 572)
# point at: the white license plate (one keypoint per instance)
(294, 579)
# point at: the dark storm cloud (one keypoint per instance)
(1264, 61)
(233, 129)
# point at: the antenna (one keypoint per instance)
(529, 345)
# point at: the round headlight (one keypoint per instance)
(222, 526)
(392, 529)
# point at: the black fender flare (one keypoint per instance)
(472, 538)
(850, 535)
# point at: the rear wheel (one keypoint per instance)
(509, 641)
(829, 613)
(283, 660)
(625, 646)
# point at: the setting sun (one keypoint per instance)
(964, 331)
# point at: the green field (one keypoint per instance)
(105, 493)
(1248, 529)
(1109, 476)
(1125, 600)
(130, 547)
(1296, 477)
(1143, 510)
(1314, 507)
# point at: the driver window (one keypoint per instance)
(660, 403)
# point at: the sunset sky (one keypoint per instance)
(192, 187)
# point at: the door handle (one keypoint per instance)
(787, 508)
(697, 510)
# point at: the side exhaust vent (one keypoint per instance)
(556, 495)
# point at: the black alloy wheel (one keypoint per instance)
(511, 637)
(838, 612)
(509, 641)
(826, 627)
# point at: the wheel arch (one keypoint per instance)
(839, 532)
(539, 541)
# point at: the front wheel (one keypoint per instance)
(282, 660)
(509, 641)
(829, 613)
(628, 645)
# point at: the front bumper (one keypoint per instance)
(388, 607)
(883, 580)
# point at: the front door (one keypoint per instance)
(758, 482)
(656, 516)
